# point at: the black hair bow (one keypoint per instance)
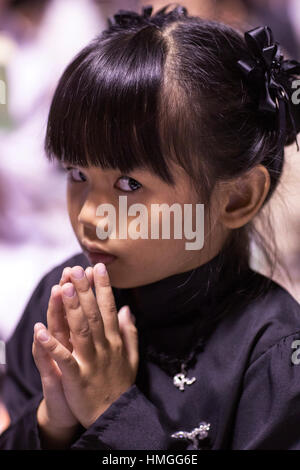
(270, 74)
(125, 17)
(128, 18)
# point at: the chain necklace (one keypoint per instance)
(175, 366)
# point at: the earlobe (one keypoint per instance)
(244, 197)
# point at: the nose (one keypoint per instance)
(87, 214)
(88, 218)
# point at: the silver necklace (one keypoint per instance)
(180, 379)
(170, 364)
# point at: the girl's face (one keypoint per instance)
(143, 260)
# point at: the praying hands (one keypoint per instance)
(87, 357)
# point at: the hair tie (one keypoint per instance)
(128, 18)
(125, 17)
(265, 71)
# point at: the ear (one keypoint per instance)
(244, 197)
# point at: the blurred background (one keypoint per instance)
(38, 38)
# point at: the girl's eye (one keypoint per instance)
(75, 175)
(128, 184)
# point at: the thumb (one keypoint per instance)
(46, 366)
(129, 334)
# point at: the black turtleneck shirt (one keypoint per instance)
(235, 333)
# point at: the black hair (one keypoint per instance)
(160, 88)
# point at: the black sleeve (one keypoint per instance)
(23, 433)
(132, 422)
(268, 413)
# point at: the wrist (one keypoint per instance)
(53, 435)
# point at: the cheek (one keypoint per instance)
(73, 206)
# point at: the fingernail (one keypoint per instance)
(69, 290)
(64, 273)
(78, 272)
(43, 335)
(129, 314)
(54, 289)
(100, 269)
(37, 326)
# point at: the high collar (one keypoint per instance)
(169, 301)
(171, 312)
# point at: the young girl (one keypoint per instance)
(163, 109)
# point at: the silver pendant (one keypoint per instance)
(195, 435)
(180, 379)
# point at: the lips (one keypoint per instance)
(95, 255)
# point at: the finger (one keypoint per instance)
(56, 318)
(66, 275)
(46, 366)
(90, 275)
(88, 304)
(80, 332)
(61, 355)
(129, 335)
(106, 301)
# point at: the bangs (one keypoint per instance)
(105, 110)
